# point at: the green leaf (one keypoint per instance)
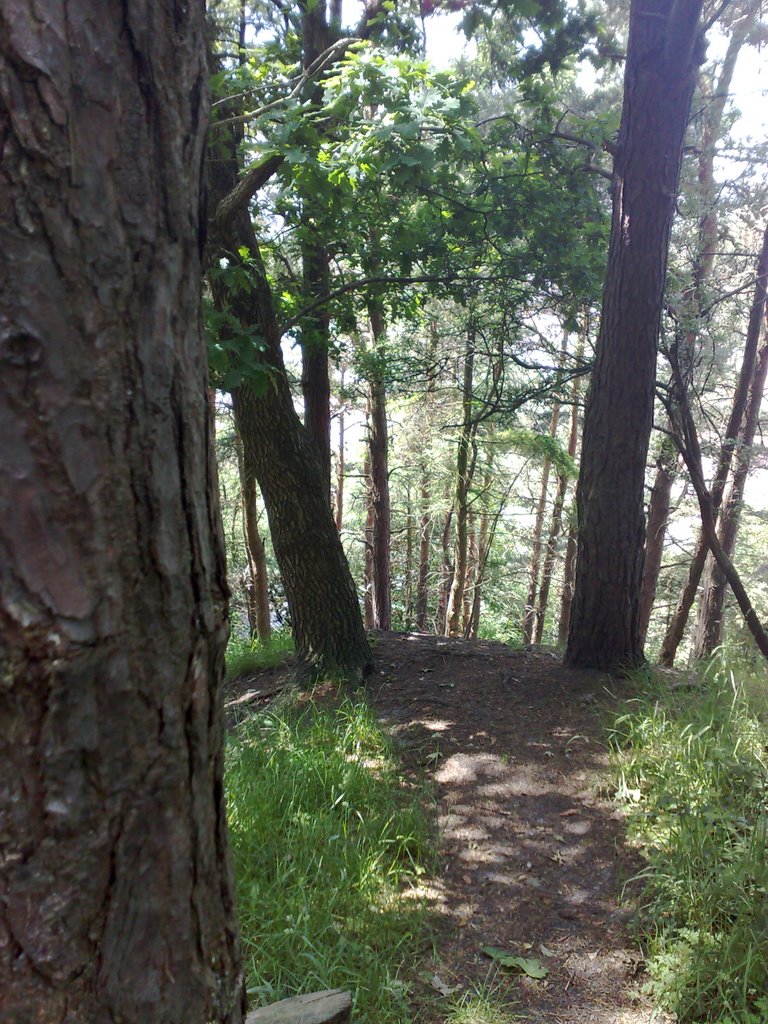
(533, 968)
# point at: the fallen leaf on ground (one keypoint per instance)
(529, 966)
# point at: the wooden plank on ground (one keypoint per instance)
(330, 1007)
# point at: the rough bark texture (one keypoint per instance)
(662, 55)
(116, 901)
(322, 600)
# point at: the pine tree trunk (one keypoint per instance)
(116, 901)
(446, 567)
(464, 470)
(370, 620)
(471, 576)
(662, 54)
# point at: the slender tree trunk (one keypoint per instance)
(557, 511)
(569, 580)
(658, 517)
(709, 625)
(679, 621)
(425, 536)
(469, 587)
(464, 469)
(409, 569)
(691, 451)
(370, 619)
(446, 567)
(255, 551)
(378, 442)
(116, 901)
(529, 624)
(663, 51)
(315, 328)
(340, 465)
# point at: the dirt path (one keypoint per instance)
(532, 856)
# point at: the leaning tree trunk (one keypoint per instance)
(676, 628)
(709, 624)
(116, 902)
(322, 600)
(662, 53)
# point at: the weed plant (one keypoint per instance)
(244, 656)
(328, 844)
(692, 770)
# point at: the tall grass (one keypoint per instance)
(244, 656)
(325, 838)
(692, 768)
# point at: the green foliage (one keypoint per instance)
(325, 838)
(246, 656)
(692, 771)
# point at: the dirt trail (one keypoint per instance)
(532, 856)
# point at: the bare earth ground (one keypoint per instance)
(533, 858)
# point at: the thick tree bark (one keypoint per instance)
(116, 901)
(464, 470)
(710, 621)
(662, 55)
(676, 628)
(322, 600)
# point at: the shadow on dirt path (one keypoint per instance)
(532, 855)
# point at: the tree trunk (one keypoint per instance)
(464, 471)
(425, 536)
(116, 901)
(662, 54)
(255, 551)
(677, 626)
(446, 568)
(658, 517)
(709, 626)
(712, 130)
(315, 328)
(378, 443)
(322, 600)
(471, 577)
(534, 568)
(340, 465)
(569, 579)
(370, 622)
(557, 511)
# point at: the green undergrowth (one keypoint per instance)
(692, 769)
(244, 656)
(329, 842)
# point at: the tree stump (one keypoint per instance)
(330, 1007)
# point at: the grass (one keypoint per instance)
(244, 656)
(692, 768)
(327, 842)
(483, 1004)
